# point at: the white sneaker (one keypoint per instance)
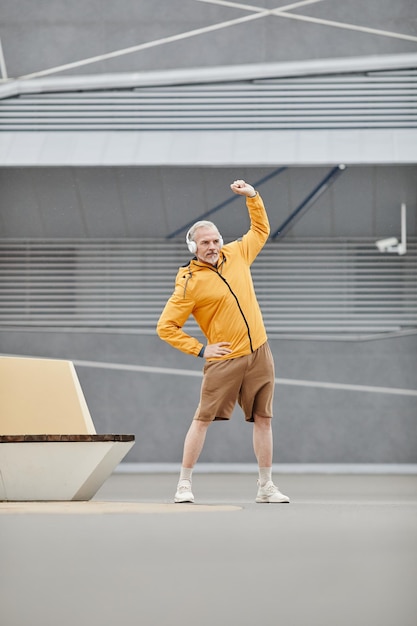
(270, 493)
(184, 493)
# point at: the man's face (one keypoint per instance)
(208, 244)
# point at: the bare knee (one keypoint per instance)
(199, 425)
(263, 423)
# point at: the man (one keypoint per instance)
(216, 288)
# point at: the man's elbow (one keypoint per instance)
(265, 232)
(161, 329)
(164, 330)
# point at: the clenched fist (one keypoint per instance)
(243, 189)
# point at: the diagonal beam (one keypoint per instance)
(344, 25)
(148, 44)
(257, 9)
(256, 12)
(282, 12)
(220, 206)
(308, 202)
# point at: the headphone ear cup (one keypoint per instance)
(221, 241)
(192, 246)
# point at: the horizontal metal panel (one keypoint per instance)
(331, 102)
(307, 286)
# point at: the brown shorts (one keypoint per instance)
(248, 380)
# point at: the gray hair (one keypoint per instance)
(197, 225)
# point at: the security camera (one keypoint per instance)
(385, 245)
(392, 244)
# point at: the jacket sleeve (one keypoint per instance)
(169, 328)
(256, 237)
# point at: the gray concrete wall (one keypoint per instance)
(39, 34)
(153, 202)
(311, 424)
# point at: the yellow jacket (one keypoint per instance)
(222, 299)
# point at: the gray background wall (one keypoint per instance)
(311, 424)
(154, 202)
(39, 34)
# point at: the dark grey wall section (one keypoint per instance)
(39, 34)
(153, 202)
(311, 424)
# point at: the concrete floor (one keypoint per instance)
(343, 553)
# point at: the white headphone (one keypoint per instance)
(192, 246)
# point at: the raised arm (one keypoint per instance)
(256, 237)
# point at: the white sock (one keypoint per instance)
(264, 475)
(186, 473)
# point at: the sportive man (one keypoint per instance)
(216, 288)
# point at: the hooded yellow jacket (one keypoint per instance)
(222, 299)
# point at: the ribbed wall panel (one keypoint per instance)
(306, 286)
(353, 101)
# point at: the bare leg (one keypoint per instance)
(262, 445)
(194, 442)
(263, 441)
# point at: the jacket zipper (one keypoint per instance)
(238, 304)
